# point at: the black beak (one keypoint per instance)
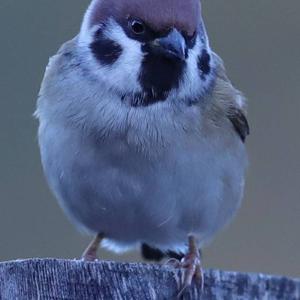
(172, 46)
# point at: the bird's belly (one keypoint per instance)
(133, 198)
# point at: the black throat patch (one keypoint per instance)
(158, 76)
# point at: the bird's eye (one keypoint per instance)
(137, 27)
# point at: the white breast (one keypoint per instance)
(153, 186)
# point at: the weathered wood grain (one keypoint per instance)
(71, 279)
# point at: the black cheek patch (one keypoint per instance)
(159, 75)
(204, 63)
(105, 50)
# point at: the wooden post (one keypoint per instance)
(71, 279)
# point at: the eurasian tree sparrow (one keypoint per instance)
(141, 132)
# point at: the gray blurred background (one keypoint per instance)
(259, 41)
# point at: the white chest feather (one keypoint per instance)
(155, 184)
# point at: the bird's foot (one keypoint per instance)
(90, 253)
(191, 265)
(192, 269)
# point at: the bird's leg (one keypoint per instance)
(192, 266)
(90, 253)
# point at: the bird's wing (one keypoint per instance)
(239, 122)
(228, 102)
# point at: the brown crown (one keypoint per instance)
(184, 15)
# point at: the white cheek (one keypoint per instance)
(123, 74)
(191, 85)
(125, 71)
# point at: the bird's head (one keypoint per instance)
(148, 50)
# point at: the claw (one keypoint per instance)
(199, 276)
(174, 262)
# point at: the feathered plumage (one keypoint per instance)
(141, 132)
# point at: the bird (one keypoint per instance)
(141, 132)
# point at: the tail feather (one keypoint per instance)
(154, 254)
